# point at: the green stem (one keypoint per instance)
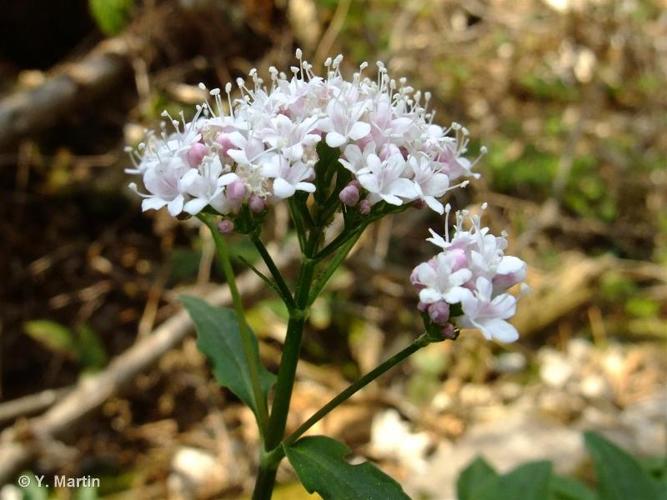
(290, 358)
(421, 341)
(266, 479)
(339, 241)
(285, 382)
(285, 292)
(246, 334)
(297, 218)
(331, 267)
(276, 454)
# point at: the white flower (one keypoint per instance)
(268, 137)
(291, 138)
(162, 183)
(383, 180)
(452, 162)
(387, 125)
(287, 179)
(343, 123)
(354, 159)
(510, 271)
(430, 183)
(487, 313)
(472, 270)
(205, 185)
(440, 281)
(248, 151)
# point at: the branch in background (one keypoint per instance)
(91, 392)
(31, 404)
(33, 110)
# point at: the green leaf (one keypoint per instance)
(473, 478)
(219, 338)
(528, 482)
(321, 466)
(619, 475)
(567, 488)
(32, 490)
(52, 335)
(111, 16)
(87, 493)
(90, 350)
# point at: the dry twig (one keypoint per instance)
(21, 443)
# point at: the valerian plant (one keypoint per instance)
(355, 150)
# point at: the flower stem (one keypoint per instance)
(246, 334)
(331, 267)
(285, 383)
(276, 454)
(266, 480)
(421, 341)
(290, 357)
(284, 290)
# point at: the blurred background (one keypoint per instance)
(569, 96)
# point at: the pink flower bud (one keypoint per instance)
(236, 191)
(196, 154)
(422, 307)
(225, 226)
(439, 313)
(449, 332)
(225, 142)
(256, 204)
(364, 207)
(349, 195)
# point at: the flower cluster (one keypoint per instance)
(261, 147)
(472, 273)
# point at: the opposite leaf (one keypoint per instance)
(219, 338)
(473, 478)
(321, 466)
(619, 475)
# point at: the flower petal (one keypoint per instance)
(359, 130)
(498, 329)
(283, 189)
(429, 296)
(335, 140)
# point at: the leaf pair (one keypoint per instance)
(319, 461)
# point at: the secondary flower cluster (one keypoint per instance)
(262, 146)
(472, 272)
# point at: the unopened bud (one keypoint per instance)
(450, 332)
(224, 142)
(349, 195)
(236, 191)
(439, 313)
(225, 226)
(256, 204)
(196, 154)
(364, 207)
